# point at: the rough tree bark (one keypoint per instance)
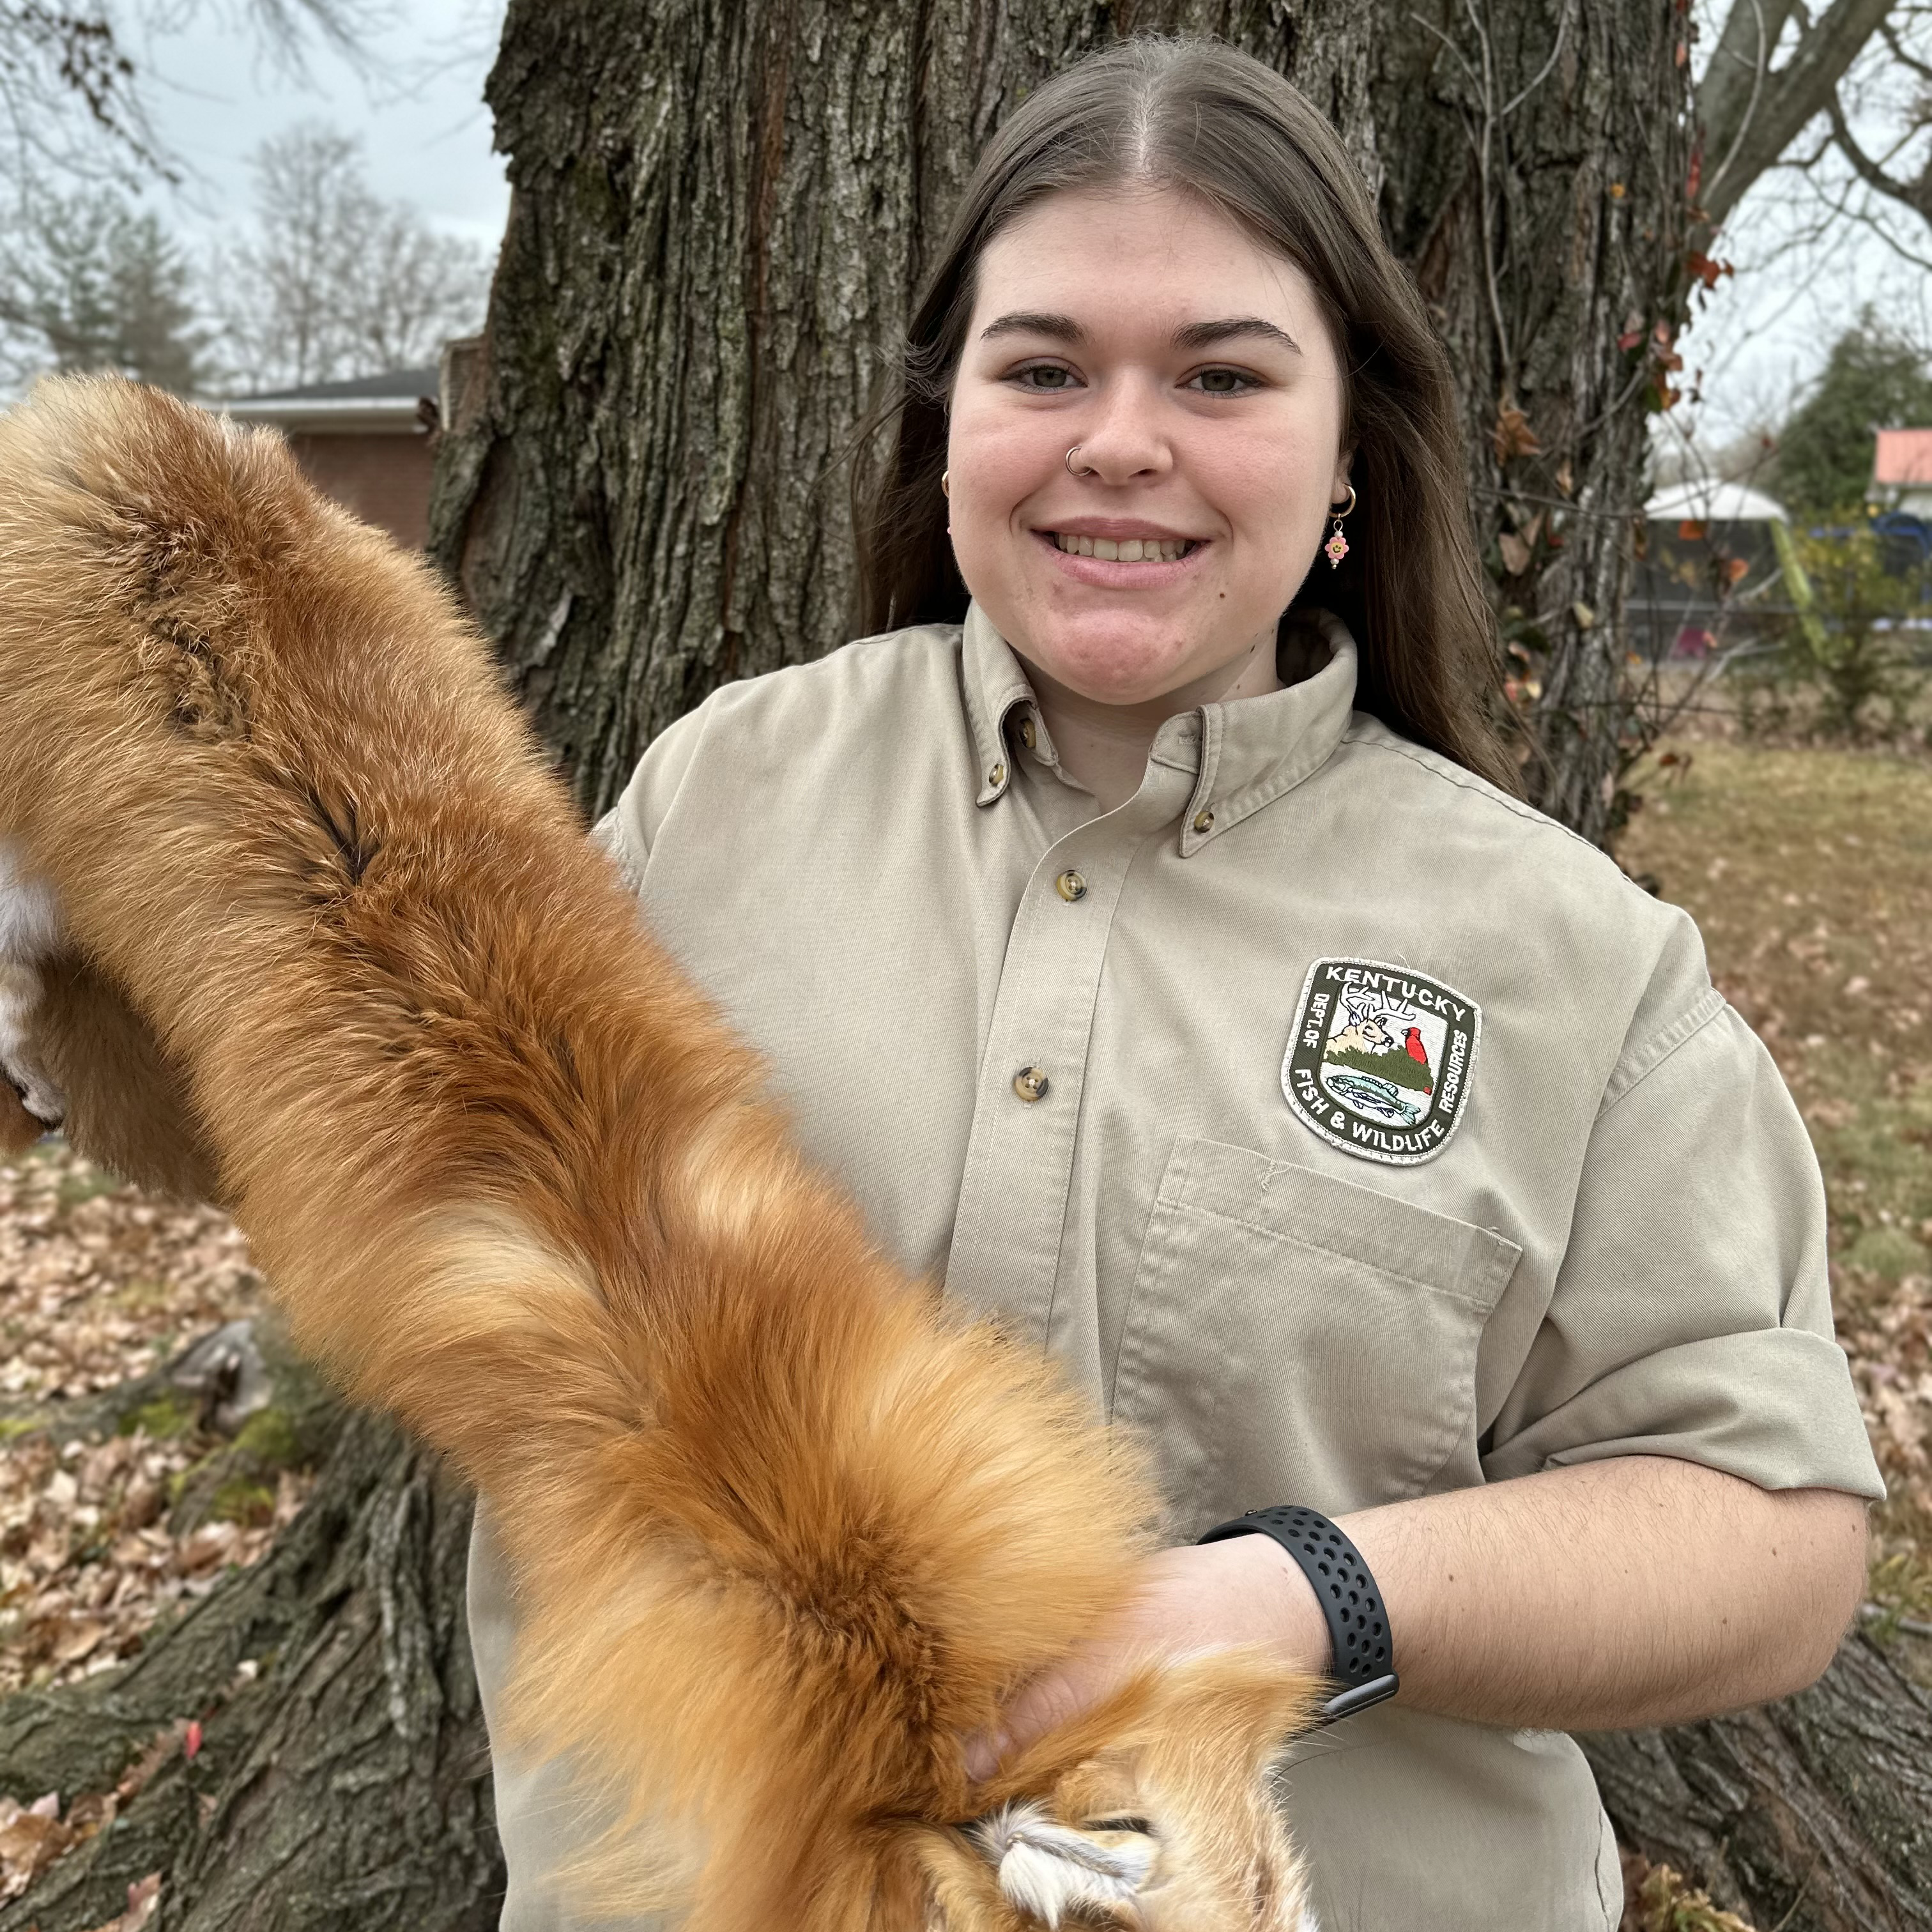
(343, 1779)
(1537, 158)
(1814, 1815)
(721, 209)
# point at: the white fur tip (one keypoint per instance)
(1047, 1869)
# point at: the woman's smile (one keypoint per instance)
(1114, 554)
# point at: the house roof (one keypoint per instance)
(384, 404)
(1707, 499)
(1904, 456)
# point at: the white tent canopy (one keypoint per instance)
(1704, 499)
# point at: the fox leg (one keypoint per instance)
(128, 1105)
(29, 934)
(74, 1054)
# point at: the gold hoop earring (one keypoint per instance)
(1336, 548)
(945, 482)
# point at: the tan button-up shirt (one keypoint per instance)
(1345, 1127)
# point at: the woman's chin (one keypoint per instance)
(1112, 661)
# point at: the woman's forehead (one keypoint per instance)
(1136, 260)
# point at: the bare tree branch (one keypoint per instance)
(1917, 195)
(333, 281)
(1751, 112)
(67, 79)
(1900, 52)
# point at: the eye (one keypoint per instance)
(1223, 382)
(1045, 378)
(1143, 1825)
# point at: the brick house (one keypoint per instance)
(367, 443)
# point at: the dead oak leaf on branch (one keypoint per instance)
(1512, 436)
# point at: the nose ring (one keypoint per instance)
(1084, 470)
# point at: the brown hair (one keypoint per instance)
(1201, 116)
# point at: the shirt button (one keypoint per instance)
(1204, 821)
(1030, 1083)
(1070, 885)
(1029, 737)
(997, 776)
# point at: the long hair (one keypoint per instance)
(1201, 117)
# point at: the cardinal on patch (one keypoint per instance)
(1412, 1039)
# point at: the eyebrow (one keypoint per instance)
(1194, 335)
(1205, 335)
(1033, 321)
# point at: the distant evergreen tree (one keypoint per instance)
(91, 282)
(1873, 380)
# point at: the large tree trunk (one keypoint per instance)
(342, 1783)
(1537, 156)
(1814, 1815)
(721, 207)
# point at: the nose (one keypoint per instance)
(1126, 441)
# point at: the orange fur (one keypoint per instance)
(783, 1529)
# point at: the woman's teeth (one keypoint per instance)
(1132, 550)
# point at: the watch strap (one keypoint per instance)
(1362, 1651)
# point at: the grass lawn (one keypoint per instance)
(1811, 874)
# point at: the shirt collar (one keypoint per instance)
(996, 687)
(1244, 754)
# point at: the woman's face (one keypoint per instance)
(1192, 368)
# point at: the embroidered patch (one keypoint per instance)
(1380, 1059)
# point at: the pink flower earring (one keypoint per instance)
(1336, 548)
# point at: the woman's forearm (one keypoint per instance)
(1638, 1591)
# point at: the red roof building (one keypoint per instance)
(1902, 470)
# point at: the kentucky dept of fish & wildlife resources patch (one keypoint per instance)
(1380, 1059)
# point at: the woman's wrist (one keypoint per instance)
(1289, 1604)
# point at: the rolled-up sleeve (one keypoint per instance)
(1691, 1315)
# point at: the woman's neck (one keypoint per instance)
(1103, 748)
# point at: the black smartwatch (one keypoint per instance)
(1362, 1652)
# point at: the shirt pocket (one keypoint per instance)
(1295, 1338)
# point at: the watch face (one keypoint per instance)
(1381, 1060)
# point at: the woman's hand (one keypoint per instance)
(1216, 1597)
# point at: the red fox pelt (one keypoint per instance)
(313, 930)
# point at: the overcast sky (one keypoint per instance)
(419, 107)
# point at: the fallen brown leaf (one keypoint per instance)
(144, 1900)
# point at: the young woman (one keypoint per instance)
(1151, 938)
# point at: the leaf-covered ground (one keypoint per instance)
(104, 1530)
(1810, 871)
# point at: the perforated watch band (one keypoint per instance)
(1362, 1651)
